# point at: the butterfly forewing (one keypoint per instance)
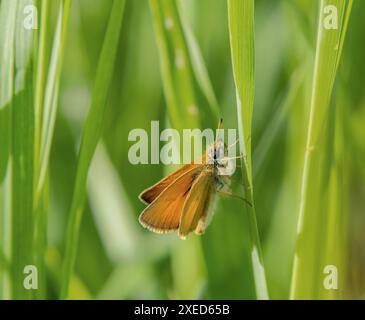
(197, 204)
(150, 194)
(163, 214)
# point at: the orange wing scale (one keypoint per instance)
(196, 207)
(150, 194)
(163, 214)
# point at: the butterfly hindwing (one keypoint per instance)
(163, 214)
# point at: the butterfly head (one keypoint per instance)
(216, 155)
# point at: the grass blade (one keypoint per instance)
(241, 29)
(272, 129)
(198, 66)
(335, 224)
(111, 209)
(7, 39)
(306, 280)
(90, 137)
(177, 74)
(7, 25)
(45, 105)
(40, 78)
(51, 93)
(40, 196)
(22, 156)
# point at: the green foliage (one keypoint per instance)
(319, 217)
(73, 89)
(90, 137)
(241, 27)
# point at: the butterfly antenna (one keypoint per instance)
(218, 127)
(229, 194)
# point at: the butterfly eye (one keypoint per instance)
(217, 153)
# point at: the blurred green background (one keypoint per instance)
(118, 259)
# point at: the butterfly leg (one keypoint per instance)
(230, 194)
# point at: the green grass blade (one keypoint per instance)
(7, 39)
(111, 209)
(177, 74)
(41, 74)
(241, 29)
(90, 137)
(198, 65)
(40, 239)
(272, 129)
(7, 27)
(307, 272)
(4, 263)
(40, 196)
(334, 227)
(22, 156)
(51, 92)
(45, 104)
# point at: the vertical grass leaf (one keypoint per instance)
(7, 40)
(22, 156)
(90, 137)
(306, 277)
(241, 31)
(51, 92)
(175, 65)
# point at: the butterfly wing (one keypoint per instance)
(150, 194)
(163, 214)
(197, 204)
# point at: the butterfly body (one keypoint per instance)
(184, 200)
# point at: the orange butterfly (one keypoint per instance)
(184, 200)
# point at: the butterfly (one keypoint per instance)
(184, 200)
